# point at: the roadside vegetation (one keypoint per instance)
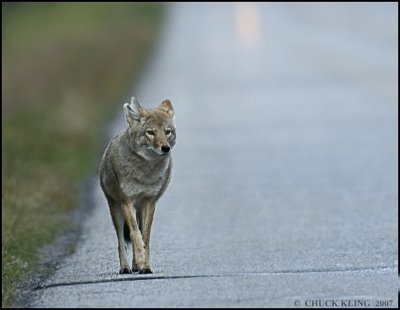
(67, 67)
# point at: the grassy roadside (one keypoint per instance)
(66, 68)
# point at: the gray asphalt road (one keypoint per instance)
(285, 183)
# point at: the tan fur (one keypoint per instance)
(134, 172)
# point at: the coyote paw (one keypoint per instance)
(145, 270)
(125, 270)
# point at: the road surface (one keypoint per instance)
(284, 190)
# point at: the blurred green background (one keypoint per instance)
(67, 67)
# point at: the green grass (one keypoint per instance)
(67, 67)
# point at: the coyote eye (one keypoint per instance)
(167, 132)
(150, 132)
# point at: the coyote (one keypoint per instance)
(134, 172)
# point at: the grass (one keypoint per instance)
(66, 68)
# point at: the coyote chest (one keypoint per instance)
(145, 181)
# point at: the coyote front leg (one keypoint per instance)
(146, 219)
(135, 235)
(118, 220)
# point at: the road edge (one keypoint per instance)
(54, 254)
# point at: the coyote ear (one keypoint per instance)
(166, 106)
(133, 111)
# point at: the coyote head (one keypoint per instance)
(152, 132)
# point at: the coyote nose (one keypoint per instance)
(165, 148)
